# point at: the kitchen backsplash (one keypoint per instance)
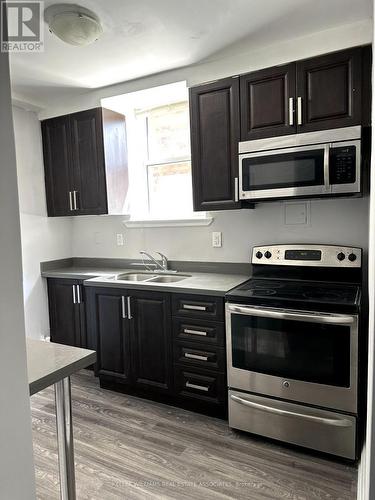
(339, 221)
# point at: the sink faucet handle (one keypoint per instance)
(164, 260)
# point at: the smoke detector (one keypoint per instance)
(73, 24)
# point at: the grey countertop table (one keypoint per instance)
(212, 283)
(52, 364)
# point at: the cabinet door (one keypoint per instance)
(109, 332)
(151, 340)
(329, 91)
(57, 163)
(215, 128)
(88, 162)
(267, 102)
(65, 312)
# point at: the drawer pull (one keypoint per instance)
(195, 356)
(338, 422)
(195, 332)
(194, 308)
(196, 386)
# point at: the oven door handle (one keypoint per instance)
(337, 422)
(333, 319)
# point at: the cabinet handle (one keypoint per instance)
(196, 386)
(190, 355)
(74, 294)
(78, 294)
(291, 111)
(195, 332)
(236, 189)
(123, 307)
(299, 111)
(75, 200)
(194, 308)
(129, 308)
(70, 201)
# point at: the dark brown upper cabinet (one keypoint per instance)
(85, 159)
(57, 164)
(320, 93)
(215, 132)
(329, 91)
(267, 102)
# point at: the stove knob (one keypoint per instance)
(259, 255)
(268, 255)
(341, 256)
(352, 257)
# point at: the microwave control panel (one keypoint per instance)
(342, 165)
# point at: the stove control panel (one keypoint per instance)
(308, 255)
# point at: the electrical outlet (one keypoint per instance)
(120, 239)
(216, 239)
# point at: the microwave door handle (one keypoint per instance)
(326, 167)
(293, 316)
(337, 422)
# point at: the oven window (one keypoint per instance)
(311, 352)
(283, 170)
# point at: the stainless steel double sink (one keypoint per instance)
(151, 277)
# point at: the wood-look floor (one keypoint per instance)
(129, 448)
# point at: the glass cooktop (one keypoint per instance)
(297, 293)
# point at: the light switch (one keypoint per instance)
(296, 213)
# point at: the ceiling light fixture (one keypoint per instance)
(73, 24)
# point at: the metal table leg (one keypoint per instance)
(65, 439)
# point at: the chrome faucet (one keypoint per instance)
(164, 261)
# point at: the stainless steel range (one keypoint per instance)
(292, 344)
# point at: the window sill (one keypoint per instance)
(198, 221)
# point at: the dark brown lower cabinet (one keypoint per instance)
(151, 346)
(131, 332)
(109, 332)
(67, 312)
(160, 345)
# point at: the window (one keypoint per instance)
(158, 136)
(167, 162)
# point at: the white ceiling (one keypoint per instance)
(142, 37)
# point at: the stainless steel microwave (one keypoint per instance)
(323, 163)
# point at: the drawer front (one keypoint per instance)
(209, 357)
(314, 428)
(198, 331)
(200, 385)
(198, 306)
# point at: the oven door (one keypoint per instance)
(284, 173)
(295, 355)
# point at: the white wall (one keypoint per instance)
(43, 238)
(366, 470)
(341, 221)
(16, 459)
